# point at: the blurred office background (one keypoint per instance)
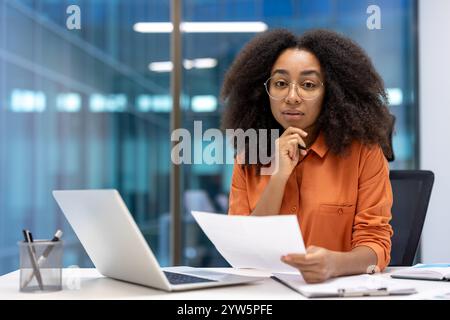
(91, 108)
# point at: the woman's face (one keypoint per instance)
(298, 104)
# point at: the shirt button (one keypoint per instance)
(294, 209)
(340, 211)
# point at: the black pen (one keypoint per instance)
(29, 239)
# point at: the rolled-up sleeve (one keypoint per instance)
(371, 227)
(238, 202)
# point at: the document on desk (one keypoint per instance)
(253, 242)
(350, 286)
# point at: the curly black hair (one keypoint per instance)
(355, 101)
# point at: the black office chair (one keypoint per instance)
(411, 190)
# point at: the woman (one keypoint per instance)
(322, 91)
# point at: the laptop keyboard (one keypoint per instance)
(178, 278)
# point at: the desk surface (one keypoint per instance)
(94, 286)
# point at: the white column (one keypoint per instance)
(434, 79)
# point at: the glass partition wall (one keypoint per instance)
(90, 108)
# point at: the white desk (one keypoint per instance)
(95, 286)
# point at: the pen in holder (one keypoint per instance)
(40, 265)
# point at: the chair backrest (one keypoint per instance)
(411, 191)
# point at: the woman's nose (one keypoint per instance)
(293, 97)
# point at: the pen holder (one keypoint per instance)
(40, 265)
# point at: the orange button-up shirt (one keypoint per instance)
(341, 202)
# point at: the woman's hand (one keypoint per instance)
(286, 158)
(288, 152)
(317, 265)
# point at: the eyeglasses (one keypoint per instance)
(278, 88)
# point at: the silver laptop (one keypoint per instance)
(117, 248)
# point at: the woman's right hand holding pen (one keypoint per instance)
(287, 155)
(287, 151)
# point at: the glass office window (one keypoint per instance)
(392, 49)
(90, 108)
(80, 109)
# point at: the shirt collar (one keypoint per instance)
(319, 146)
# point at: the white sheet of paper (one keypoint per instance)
(253, 242)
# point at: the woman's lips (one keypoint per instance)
(292, 114)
